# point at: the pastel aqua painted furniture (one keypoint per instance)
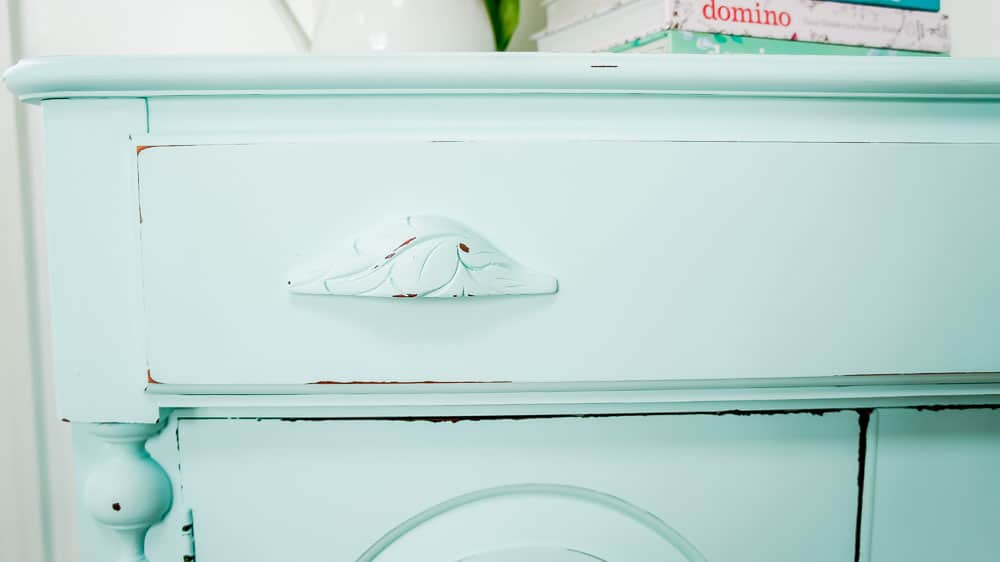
(526, 307)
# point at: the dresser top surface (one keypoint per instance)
(33, 80)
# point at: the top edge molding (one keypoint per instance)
(37, 79)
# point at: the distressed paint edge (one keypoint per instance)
(401, 382)
(139, 148)
(255, 408)
(472, 386)
(867, 522)
(470, 404)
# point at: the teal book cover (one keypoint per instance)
(693, 42)
(925, 5)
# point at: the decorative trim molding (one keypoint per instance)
(36, 79)
(613, 503)
(128, 492)
(581, 398)
(420, 256)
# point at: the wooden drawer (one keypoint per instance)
(764, 488)
(656, 260)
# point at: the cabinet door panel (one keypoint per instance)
(936, 495)
(767, 488)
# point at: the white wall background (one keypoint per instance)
(36, 489)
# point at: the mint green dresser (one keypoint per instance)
(532, 308)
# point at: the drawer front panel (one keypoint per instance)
(673, 260)
(766, 488)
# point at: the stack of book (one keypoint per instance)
(809, 27)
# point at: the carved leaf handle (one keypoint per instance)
(420, 256)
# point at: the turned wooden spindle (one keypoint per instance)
(128, 491)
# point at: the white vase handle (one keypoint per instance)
(292, 25)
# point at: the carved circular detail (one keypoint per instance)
(534, 554)
(607, 501)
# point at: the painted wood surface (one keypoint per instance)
(93, 259)
(781, 221)
(785, 102)
(663, 488)
(127, 492)
(580, 116)
(934, 494)
(535, 399)
(675, 261)
(165, 539)
(148, 76)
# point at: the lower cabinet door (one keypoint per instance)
(662, 488)
(935, 494)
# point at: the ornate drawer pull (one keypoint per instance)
(420, 256)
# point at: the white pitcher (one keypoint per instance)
(352, 26)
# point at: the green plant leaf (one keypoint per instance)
(504, 15)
